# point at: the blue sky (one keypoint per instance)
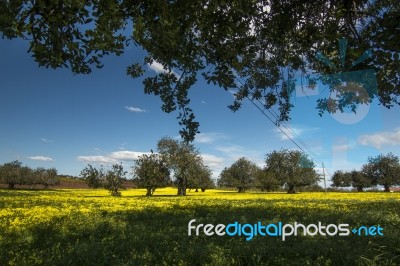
(52, 118)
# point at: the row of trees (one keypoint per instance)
(111, 179)
(177, 162)
(283, 168)
(381, 170)
(13, 173)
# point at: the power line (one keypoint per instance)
(291, 132)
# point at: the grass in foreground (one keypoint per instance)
(88, 227)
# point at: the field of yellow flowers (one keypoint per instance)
(89, 227)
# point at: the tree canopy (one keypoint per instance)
(383, 170)
(241, 174)
(253, 47)
(183, 159)
(292, 168)
(151, 172)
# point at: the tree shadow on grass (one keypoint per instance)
(155, 236)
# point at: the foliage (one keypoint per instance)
(13, 173)
(292, 168)
(341, 179)
(93, 176)
(356, 179)
(151, 172)
(46, 177)
(241, 174)
(111, 179)
(201, 177)
(266, 180)
(87, 227)
(183, 159)
(383, 170)
(260, 45)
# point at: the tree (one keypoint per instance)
(27, 176)
(383, 170)
(46, 177)
(151, 172)
(241, 174)
(260, 44)
(93, 177)
(292, 168)
(11, 173)
(266, 180)
(360, 180)
(201, 177)
(182, 158)
(341, 179)
(113, 179)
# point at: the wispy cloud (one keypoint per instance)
(377, 140)
(342, 147)
(135, 109)
(213, 161)
(203, 102)
(41, 158)
(294, 131)
(209, 137)
(234, 152)
(46, 140)
(96, 159)
(113, 157)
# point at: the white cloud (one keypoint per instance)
(208, 137)
(46, 140)
(41, 158)
(158, 68)
(135, 109)
(380, 139)
(113, 157)
(213, 161)
(203, 102)
(126, 155)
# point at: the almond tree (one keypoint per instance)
(241, 174)
(292, 168)
(10, 173)
(151, 172)
(383, 170)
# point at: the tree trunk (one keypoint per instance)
(148, 194)
(360, 189)
(203, 189)
(181, 191)
(387, 188)
(197, 190)
(291, 189)
(241, 190)
(11, 185)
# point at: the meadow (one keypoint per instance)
(89, 227)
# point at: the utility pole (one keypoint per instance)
(323, 172)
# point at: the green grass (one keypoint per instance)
(88, 227)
